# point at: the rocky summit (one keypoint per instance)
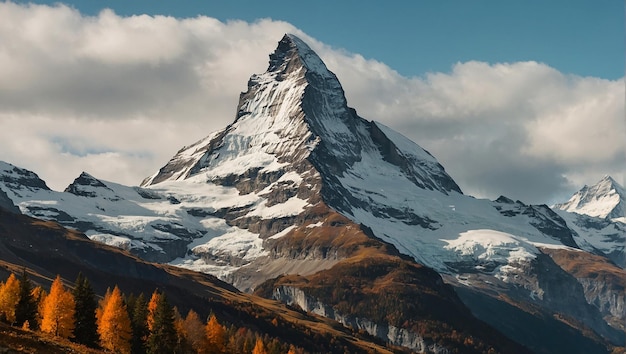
(302, 200)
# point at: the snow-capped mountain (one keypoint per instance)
(597, 215)
(605, 199)
(299, 183)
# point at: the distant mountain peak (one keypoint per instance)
(86, 185)
(605, 199)
(19, 178)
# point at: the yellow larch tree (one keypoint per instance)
(259, 347)
(58, 311)
(152, 305)
(9, 296)
(114, 324)
(101, 305)
(215, 335)
(39, 294)
(194, 332)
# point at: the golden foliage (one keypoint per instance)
(152, 305)
(9, 296)
(58, 311)
(194, 332)
(215, 335)
(39, 294)
(259, 347)
(114, 324)
(101, 305)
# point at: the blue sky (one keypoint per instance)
(517, 98)
(583, 37)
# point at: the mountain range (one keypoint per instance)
(301, 200)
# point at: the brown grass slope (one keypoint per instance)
(45, 249)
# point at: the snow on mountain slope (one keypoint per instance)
(599, 235)
(597, 214)
(154, 223)
(605, 199)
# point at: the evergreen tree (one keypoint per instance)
(114, 324)
(58, 311)
(162, 338)
(86, 329)
(138, 322)
(26, 308)
(9, 296)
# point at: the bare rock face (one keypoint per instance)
(603, 283)
(7, 204)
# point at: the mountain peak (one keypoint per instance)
(85, 185)
(610, 182)
(18, 178)
(294, 118)
(292, 53)
(605, 199)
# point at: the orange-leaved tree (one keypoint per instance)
(39, 294)
(152, 305)
(194, 332)
(102, 303)
(259, 347)
(58, 311)
(114, 324)
(9, 296)
(215, 335)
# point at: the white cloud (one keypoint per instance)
(118, 96)
(520, 129)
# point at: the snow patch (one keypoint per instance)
(491, 245)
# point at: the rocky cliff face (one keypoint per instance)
(7, 204)
(603, 283)
(397, 336)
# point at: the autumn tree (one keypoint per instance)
(86, 329)
(9, 297)
(39, 294)
(58, 311)
(152, 305)
(259, 347)
(182, 343)
(194, 332)
(215, 335)
(114, 324)
(102, 304)
(26, 307)
(162, 338)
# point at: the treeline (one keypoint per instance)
(124, 324)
